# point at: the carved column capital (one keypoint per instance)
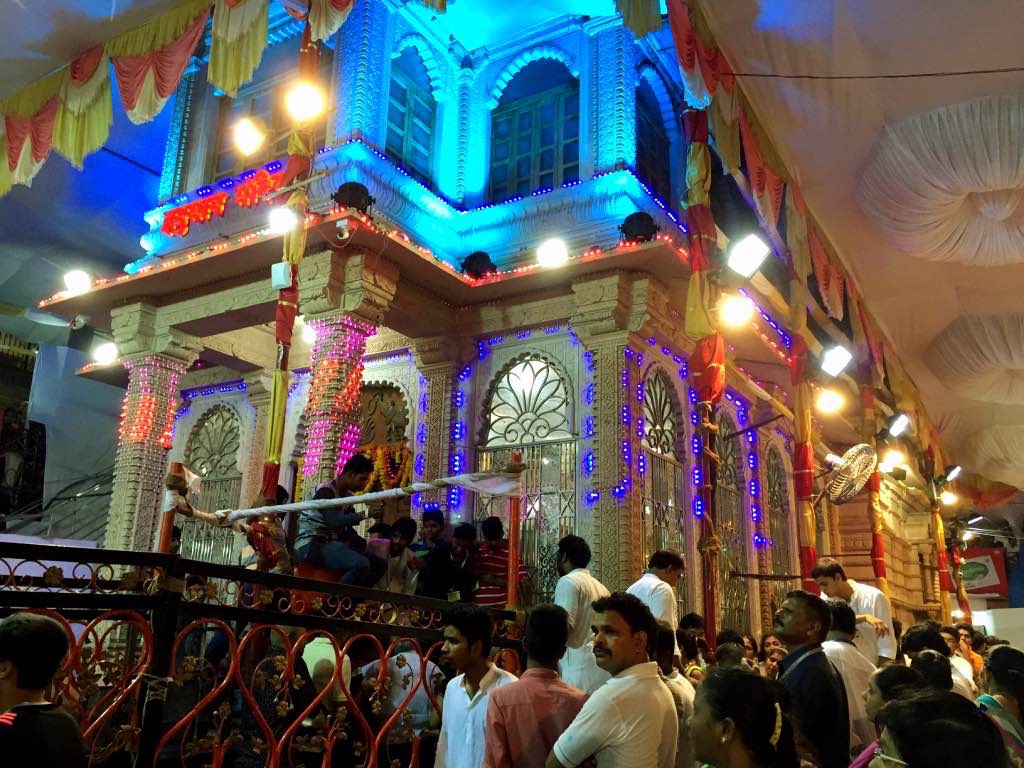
(138, 332)
(356, 284)
(434, 352)
(259, 385)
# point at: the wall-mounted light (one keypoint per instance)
(899, 425)
(77, 282)
(305, 101)
(948, 498)
(105, 353)
(835, 359)
(282, 219)
(747, 254)
(552, 253)
(639, 227)
(735, 311)
(248, 136)
(829, 401)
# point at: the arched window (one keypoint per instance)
(652, 145)
(535, 131)
(731, 529)
(778, 516)
(412, 113)
(529, 410)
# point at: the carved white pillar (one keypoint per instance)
(155, 361)
(258, 388)
(436, 360)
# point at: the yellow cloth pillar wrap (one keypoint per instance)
(641, 17)
(294, 242)
(278, 404)
(805, 510)
(239, 39)
(698, 174)
(939, 533)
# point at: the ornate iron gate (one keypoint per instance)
(778, 511)
(731, 529)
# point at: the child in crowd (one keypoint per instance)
(433, 558)
(400, 573)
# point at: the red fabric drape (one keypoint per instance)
(707, 367)
(287, 309)
(803, 470)
(39, 127)
(798, 360)
(168, 65)
(84, 66)
(693, 53)
(764, 183)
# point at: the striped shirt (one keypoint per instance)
(492, 560)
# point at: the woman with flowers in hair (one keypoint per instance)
(740, 721)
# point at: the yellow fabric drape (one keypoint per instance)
(29, 99)
(295, 241)
(939, 532)
(640, 17)
(725, 131)
(156, 33)
(325, 19)
(275, 419)
(85, 115)
(239, 40)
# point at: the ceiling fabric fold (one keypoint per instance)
(982, 357)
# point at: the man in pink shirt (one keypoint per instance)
(525, 718)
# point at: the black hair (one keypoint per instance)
(762, 650)
(935, 669)
(754, 705)
(897, 630)
(36, 645)
(828, 568)
(357, 465)
(465, 531)
(665, 643)
(935, 729)
(473, 623)
(632, 610)
(282, 495)
(687, 644)
(1005, 667)
(895, 680)
(951, 631)
(975, 634)
(843, 618)
(492, 528)
(729, 636)
(729, 655)
(665, 558)
(691, 621)
(404, 527)
(546, 633)
(924, 636)
(432, 516)
(818, 609)
(576, 550)
(380, 529)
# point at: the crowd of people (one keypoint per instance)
(618, 680)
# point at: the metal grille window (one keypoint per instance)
(664, 476)
(652, 146)
(528, 410)
(263, 100)
(731, 529)
(535, 139)
(412, 114)
(212, 446)
(778, 514)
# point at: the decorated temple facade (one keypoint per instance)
(560, 132)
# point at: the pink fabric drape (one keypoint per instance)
(693, 53)
(39, 127)
(167, 64)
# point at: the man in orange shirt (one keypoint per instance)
(525, 718)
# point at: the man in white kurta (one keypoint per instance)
(576, 592)
(875, 637)
(656, 588)
(854, 670)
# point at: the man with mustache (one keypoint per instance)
(631, 720)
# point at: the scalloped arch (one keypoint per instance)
(427, 57)
(498, 378)
(647, 72)
(521, 61)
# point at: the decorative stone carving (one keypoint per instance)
(329, 282)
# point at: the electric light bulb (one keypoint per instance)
(105, 354)
(954, 473)
(894, 457)
(747, 254)
(77, 282)
(736, 311)
(309, 334)
(829, 401)
(248, 136)
(552, 253)
(282, 219)
(305, 101)
(899, 425)
(835, 360)
(948, 498)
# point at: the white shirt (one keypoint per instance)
(576, 593)
(461, 743)
(659, 596)
(963, 666)
(962, 685)
(684, 694)
(868, 600)
(629, 722)
(404, 673)
(855, 672)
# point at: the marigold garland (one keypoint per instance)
(392, 466)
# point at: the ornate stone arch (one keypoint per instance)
(213, 443)
(669, 116)
(521, 61)
(661, 399)
(435, 73)
(386, 411)
(529, 400)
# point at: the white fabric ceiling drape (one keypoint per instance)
(948, 184)
(981, 357)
